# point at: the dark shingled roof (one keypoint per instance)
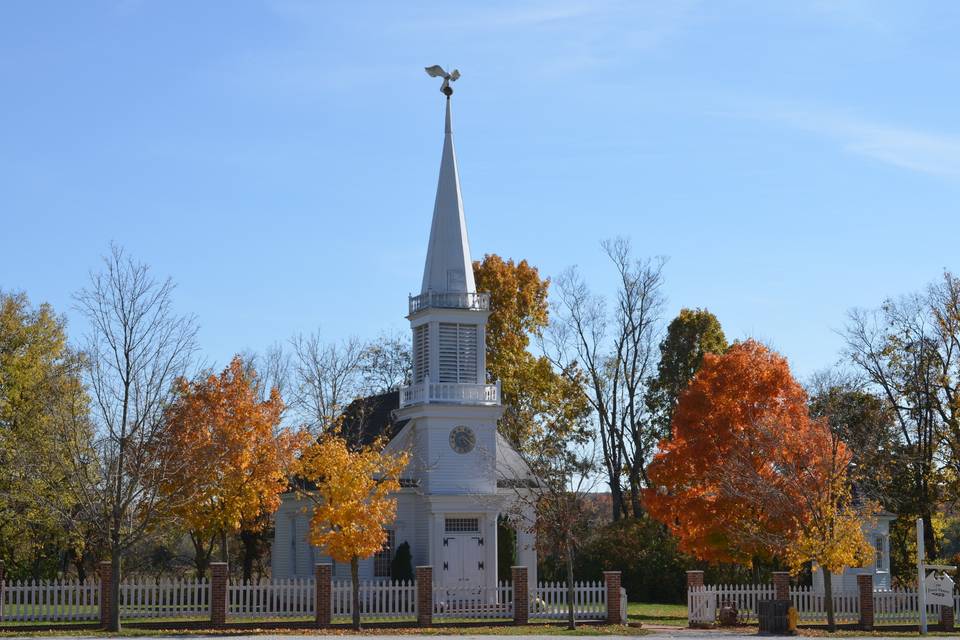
(366, 419)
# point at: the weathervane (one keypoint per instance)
(436, 71)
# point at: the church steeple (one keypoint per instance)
(448, 268)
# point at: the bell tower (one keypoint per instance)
(452, 403)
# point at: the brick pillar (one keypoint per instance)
(105, 572)
(694, 579)
(946, 618)
(521, 595)
(781, 585)
(323, 574)
(612, 580)
(865, 588)
(218, 594)
(424, 596)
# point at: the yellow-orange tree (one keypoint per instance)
(538, 398)
(352, 501)
(237, 459)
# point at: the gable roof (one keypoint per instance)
(367, 419)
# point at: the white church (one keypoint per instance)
(462, 476)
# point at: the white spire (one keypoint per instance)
(448, 267)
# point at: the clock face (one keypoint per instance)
(462, 439)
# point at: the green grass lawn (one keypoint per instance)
(673, 615)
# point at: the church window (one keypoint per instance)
(421, 353)
(458, 352)
(880, 560)
(383, 558)
(462, 525)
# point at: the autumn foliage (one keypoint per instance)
(237, 459)
(352, 500)
(747, 465)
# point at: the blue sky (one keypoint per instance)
(279, 159)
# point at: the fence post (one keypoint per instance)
(323, 574)
(424, 596)
(946, 618)
(105, 572)
(612, 580)
(781, 585)
(694, 581)
(218, 594)
(521, 595)
(865, 588)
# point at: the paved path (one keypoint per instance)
(658, 634)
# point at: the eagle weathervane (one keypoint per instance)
(436, 71)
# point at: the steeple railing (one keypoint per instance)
(450, 393)
(450, 300)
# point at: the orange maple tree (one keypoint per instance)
(238, 458)
(733, 483)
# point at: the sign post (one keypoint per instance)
(921, 577)
(934, 588)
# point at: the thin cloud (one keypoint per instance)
(923, 151)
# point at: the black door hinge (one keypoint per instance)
(480, 566)
(445, 566)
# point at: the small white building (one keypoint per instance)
(462, 475)
(877, 533)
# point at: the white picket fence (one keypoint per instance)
(140, 598)
(900, 606)
(50, 601)
(187, 598)
(550, 601)
(476, 603)
(281, 598)
(378, 600)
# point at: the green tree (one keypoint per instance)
(693, 333)
(39, 380)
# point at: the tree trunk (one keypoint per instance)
(251, 545)
(571, 591)
(616, 499)
(828, 594)
(223, 546)
(114, 624)
(355, 578)
(201, 556)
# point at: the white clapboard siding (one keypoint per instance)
(280, 598)
(473, 603)
(549, 601)
(379, 600)
(142, 597)
(50, 601)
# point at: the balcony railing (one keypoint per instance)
(450, 393)
(450, 300)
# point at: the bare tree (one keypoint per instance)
(386, 363)
(551, 490)
(136, 347)
(326, 379)
(617, 354)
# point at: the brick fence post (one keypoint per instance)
(521, 595)
(424, 596)
(323, 574)
(218, 594)
(865, 589)
(694, 580)
(781, 585)
(105, 573)
(612, 580)
(946, 618)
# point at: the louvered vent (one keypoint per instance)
(458, 352)
(421, 353)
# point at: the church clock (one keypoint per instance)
(462, 439)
